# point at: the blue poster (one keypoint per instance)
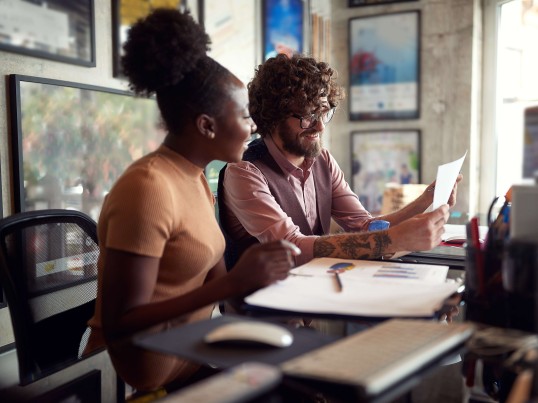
(283, 27)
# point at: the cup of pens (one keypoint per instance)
(485, 296)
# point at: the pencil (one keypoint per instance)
(339, 285)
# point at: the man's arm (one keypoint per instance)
(421, 232)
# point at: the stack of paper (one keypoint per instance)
(369, 288)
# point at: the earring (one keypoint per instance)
(210, 135)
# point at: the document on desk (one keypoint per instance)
(369, 289)
(446, 178)
(457, 233)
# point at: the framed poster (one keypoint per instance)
(380, 157)
(530, 143)
(231, 25)
(124, 14)
(59, 30)
(282, 27)
(360, 3)
(384, 66)
(71, 141)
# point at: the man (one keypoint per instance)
(289, 187)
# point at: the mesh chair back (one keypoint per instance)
(48, 270)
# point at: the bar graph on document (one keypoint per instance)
(396, 272)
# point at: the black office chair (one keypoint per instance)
(48, 270)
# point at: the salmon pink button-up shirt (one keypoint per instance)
(253, 210)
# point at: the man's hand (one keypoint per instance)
(421, 232)
(453, 195)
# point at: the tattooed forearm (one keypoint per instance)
(322, 247)
(381, 242)
(353, 246)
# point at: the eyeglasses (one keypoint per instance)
(310, 121)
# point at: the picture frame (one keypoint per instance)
(231, 25)
(58, 30)
(363, 3)
(283, 27)
(530, 143)
(384, 66)
(71, 141)
(124, 14)
(382, 156)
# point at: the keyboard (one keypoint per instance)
(374, 360)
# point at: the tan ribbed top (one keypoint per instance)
(160, 207)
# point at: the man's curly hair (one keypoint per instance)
(284, 85)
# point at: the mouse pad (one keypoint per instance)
(187, 342)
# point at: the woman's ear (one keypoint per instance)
(206, 126)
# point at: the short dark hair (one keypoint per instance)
(165, 54)
(283, 83)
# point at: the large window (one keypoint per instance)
(510, 87)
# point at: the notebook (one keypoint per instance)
(375, 360)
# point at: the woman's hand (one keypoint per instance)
(264, 264)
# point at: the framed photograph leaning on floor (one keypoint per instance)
(380, 157)
(384, 66)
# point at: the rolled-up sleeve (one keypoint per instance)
(347, 210)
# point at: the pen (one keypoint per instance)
(479, 263)
(339, 285)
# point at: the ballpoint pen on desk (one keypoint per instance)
(339, 285)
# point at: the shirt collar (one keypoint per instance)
(282, 161)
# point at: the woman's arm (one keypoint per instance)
(129, 281)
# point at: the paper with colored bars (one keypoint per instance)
(369, 289)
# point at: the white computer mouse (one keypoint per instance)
(250, 333)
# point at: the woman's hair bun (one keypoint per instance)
(161, 49)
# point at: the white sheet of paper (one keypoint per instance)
(370, 289)
(446, 178)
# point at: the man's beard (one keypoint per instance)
(293, 144)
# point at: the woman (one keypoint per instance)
(161, 248)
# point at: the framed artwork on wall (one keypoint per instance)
(125, 13)
(58, 30)
(71, 141)
(282, 27)
(381, 157)
(360, 3)
(384, 66)
(231, 25)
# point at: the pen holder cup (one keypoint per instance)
(520, 282)
(485, 297)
